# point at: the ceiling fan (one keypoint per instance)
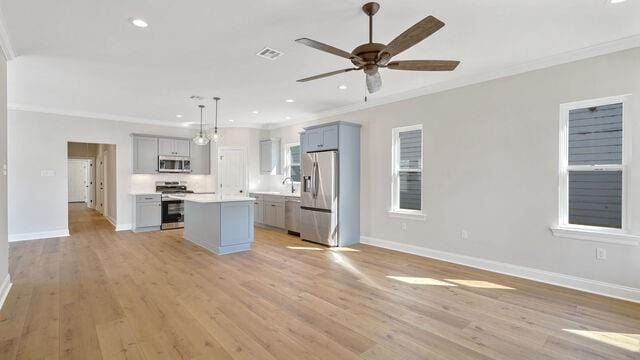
(371, 56)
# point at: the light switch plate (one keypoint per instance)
(47, 173)
(601, 254)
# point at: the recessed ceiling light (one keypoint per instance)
(617, 1)
(342, 87)
(255, 112)
(231, 120)
(138, 22)
(179, 116)
(288, 117)
(290, 100)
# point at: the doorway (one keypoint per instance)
(91, 183)
(232, 171)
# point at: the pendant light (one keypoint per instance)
(216, 137)
(201, 138)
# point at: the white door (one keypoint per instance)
(78, 181)
(232, 171)
(100, 184)
(91, 197)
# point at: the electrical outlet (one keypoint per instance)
(404, 226)
(601, 254)
(464, 234)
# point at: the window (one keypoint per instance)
(407, 170)
(592, 164)
(293, 161)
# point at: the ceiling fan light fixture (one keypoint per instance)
(372, 55)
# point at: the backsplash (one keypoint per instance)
(197, 183)
(274, 183)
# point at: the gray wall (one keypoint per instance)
(4, 244)
(491, 168)
(38, 204)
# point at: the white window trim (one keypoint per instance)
(395, 211)
(593, 233)
(287, 159)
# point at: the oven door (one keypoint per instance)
(171, 164)
(172, 214)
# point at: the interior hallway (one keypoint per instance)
(101, 294)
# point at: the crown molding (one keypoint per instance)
(475, 78)
(111, 117)
(5, 42)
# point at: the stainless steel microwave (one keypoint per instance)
(174, 164)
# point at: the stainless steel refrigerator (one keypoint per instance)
(319, 198)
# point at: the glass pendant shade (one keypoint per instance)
(215, 136)
(201, 139)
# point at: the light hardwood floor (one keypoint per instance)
(100, 294)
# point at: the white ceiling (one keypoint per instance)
(83, 56)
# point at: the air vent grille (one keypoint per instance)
(269, 53)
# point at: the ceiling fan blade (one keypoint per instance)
(330, 49)
(424, 65)
(327, 74)
(418, 32)
(374, 82)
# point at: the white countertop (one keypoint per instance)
(211, 198)
(134, 193)
(275, 193)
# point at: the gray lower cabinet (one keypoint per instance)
(147, 212)
(145, 155)
(201, 159)
(257, 211)
(269, 210)
(274, 214)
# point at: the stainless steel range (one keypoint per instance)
(172, 209)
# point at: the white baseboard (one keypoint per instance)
(39, 235)
(572, 282)
(4, 289)
(123, 227)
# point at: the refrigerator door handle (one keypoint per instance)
(316, 175)
(313, 180)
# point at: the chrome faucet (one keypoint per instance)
(293, 189)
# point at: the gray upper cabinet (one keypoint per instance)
(183, 147)
(321, 138)
(270, 157)
(201, 159)
(173, 147)
(145, 155)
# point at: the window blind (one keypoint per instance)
(595, 138)
(410, 170)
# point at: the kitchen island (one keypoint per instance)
(219, 223)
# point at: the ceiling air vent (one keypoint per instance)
(269, 53)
